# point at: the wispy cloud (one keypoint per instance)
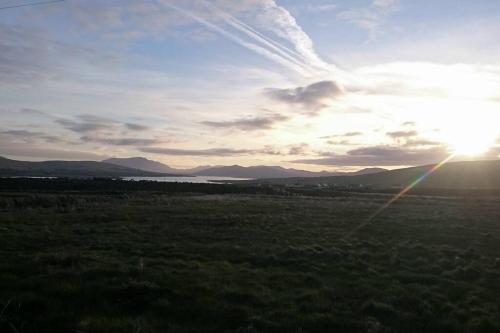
(299, 149)
(82, 127)
(343, 139)
(402, 134)
(33, 112)
(91, 124)
(136, 127)
(198, 152)
(250, 123)
(121, 141)
(411, 138)
(219, 152)
(380, 156)
(29, 55)
(28, 136)
(370, 17)
(38, 152)
(421, 142)
(321, 8)
(344, 135)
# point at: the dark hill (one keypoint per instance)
(13, 168)
(454, 175)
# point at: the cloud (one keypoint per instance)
(82, 127)
(409, 123)
(351, 134)
(342, 139)
(90, 123)
(285, 42)
(21, 58)
(257, 43)
(19, 136)
(300, 56)
(370, 17)
(27, 136)
(342, 143)
(312, 97)
(249, 124)
(89, 118)
(402, 134)
(380, 156)
(300, 149)
(220, 152)
(28, 56)
(420, 143)
(21, 133)
(279, 21)
(136, 127)
(201, 152)
(47, 153)
(344, 135)
(121, 141)
(410, 139)
(33, 112)
(321, 8)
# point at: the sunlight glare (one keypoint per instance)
(472, 136)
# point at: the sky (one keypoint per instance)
(316, 85)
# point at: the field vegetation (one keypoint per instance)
(219, 258)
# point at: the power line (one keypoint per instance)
(31, 4)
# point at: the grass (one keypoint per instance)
(153, 262)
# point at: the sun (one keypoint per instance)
(471, 145)
(471, 136)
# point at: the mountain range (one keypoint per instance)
(142, 163)
(235, 171)
(13, 168)
(453, 175)
(261, 172)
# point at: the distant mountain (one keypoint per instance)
(265, 172)
(366, 171)
(142, 163)
(454, 175)
(12, 168)
(234, 171)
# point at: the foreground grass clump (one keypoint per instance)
(150, 262)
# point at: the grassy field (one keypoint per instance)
(153, 262)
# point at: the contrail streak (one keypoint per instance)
(267, 41)
(251, 46)
(286, 26)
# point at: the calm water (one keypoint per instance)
(197, 179)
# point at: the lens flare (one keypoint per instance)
(403, 192)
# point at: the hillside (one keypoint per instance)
(266, 172)
(454, 175)
(142, 163)
(13, 168)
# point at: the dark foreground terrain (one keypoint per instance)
(156, 261)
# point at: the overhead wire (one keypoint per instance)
(29, 4)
